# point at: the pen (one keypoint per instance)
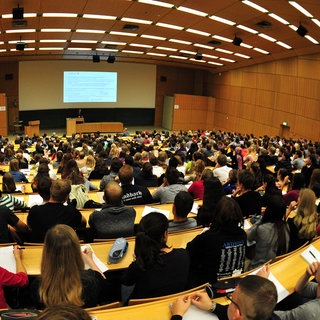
(21, 248)
(313, 255)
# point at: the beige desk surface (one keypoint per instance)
(287, 271)
(32, 254)
(86, 212)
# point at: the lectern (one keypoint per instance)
(33, 128)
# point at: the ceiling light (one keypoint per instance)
(180, 41)
(210, 56)
(132, 51)
(136, 20)
(156, 54)
(240, 26)
(99, 16)
(282, 44)
(316, 21)
(119, 33)
(245, 45)
(60, 15)
(237, 41)
(166, 48)
(242, 55)
(215, 63)
(116, 43)
(51, 48)
(188, 52)
(202, 33)
(312, 39)
(228, 60)
(53, 40)
(192, 11)
(21, 30)
(203, 46)
(89, 31)
(222, 38)
(301, 9)
(278, 18)
(255, 6)
(107, 50)
(261, 50)
(169, 26)
(149, 36)
(157, 3)
(302, 31)
(222, 20)
(224, 51)
(265, 36)
(79, 49)
(140, 45)
(55, 30)
(179, 57)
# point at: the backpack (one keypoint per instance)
(80, 194)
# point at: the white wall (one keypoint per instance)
(41, 84)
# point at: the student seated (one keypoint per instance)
(254, 298)
(114, 219)
(158, 269)
(270, 233)
(248, 200)
(9, 279)
(181, 207)
(42, 217)
(220, 251)
(63, 279)
(64, 312)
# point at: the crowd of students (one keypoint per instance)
(182, 166)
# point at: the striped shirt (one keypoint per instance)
(11, 202)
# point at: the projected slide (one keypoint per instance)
(84, 86)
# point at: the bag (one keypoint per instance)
(92, 204)
(80, 194)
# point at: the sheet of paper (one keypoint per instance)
(311, 254)
(7, 260)
(100, 196)
(97, 261)
(195, 313)
(34, 199)
(281, 290)
(195, 208)
(247, 225)
(148, 209)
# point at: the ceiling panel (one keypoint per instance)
(234, 10)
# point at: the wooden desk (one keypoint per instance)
(86, 212)
(32, 254)
(99, 126)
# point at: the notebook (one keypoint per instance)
(311, 254)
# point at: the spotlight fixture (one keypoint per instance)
(237, 41)
(95, 58)
(302, 31)
(20, 45)
(17, 13)
(111, 59)
(198, 56)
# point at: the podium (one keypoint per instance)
(71, 125)
(33, 128)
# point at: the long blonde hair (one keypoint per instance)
(306, 218)
(60, 267)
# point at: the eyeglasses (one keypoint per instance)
(229, 298)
